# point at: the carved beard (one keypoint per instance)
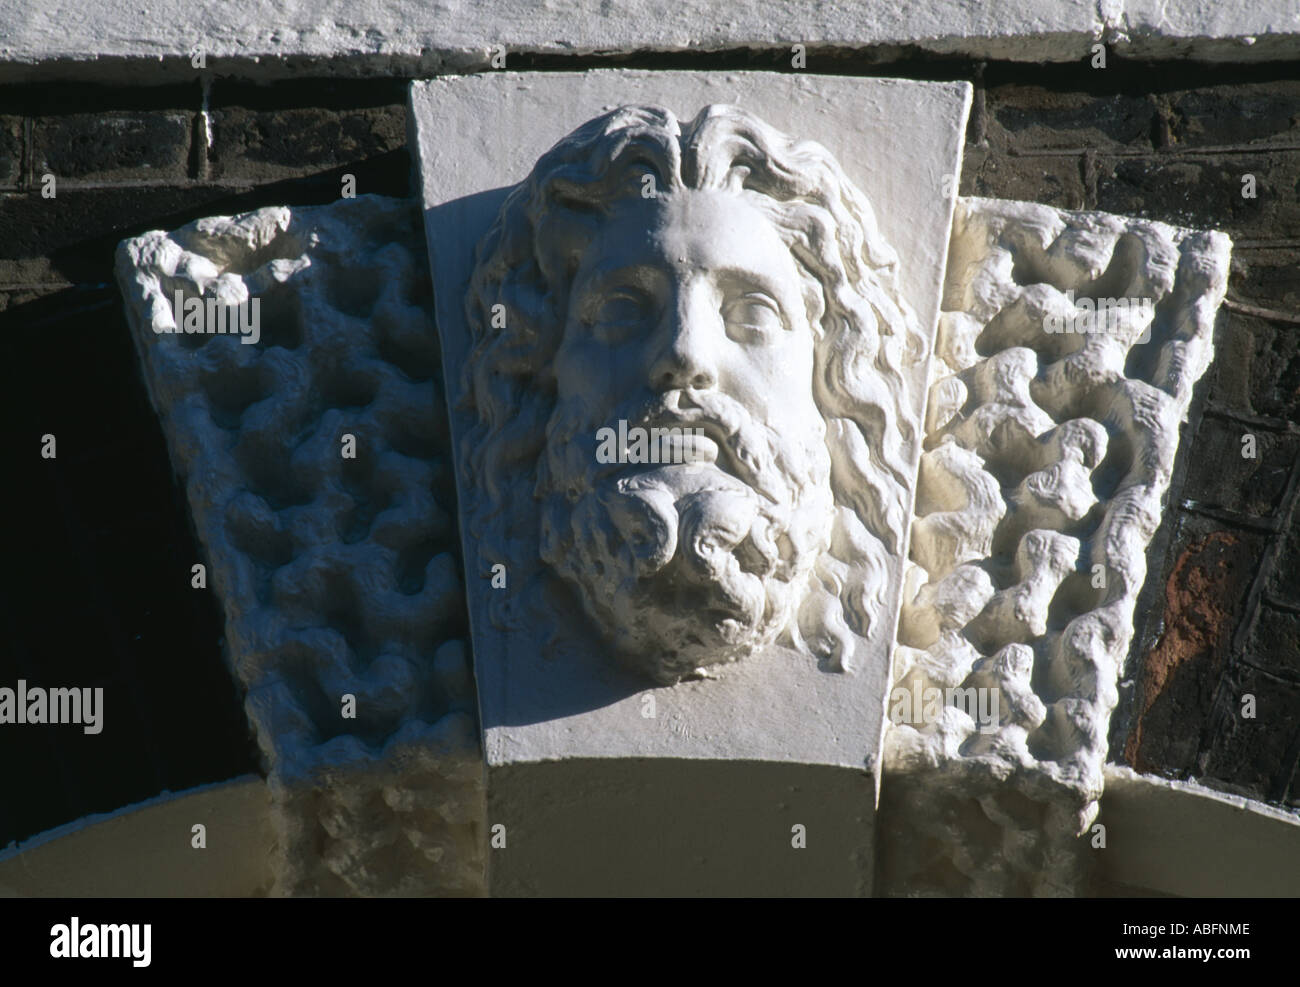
(684, 566)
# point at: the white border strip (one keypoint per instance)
(120, 40)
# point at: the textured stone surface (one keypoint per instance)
(113, 146)
(262, 39)
(1203, 29)
(337, 574)
(137, 550)
(413, 38)
(11, 150)
(841, 445)
(1220, 122)
(1048, 455)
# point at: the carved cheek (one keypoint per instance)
(784, 371)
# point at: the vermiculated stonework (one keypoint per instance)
(315, 463)
(1067, 352)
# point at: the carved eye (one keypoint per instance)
(619, 315)
(753, 316)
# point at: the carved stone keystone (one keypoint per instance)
(686, 321)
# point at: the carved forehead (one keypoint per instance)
(630, 159)
(688, 230)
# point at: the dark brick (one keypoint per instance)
(1209, 575)
(11, 150)
(1284, 580)
(1229, 378)
(113, 146)
(1274, 644)
(107, 518)
(59, 229)
(21, 296)
(1267, 276)
(1205, 191)
(1051, 179)
(1219, 476)
(1238, 114)
(1256, 367)
(264, 145)
(1255, 756)
(1030, 118)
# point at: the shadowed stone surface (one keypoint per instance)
(1049, 452)
(337, 572)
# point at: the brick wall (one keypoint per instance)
(96, 585)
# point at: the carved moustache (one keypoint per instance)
(746, 448)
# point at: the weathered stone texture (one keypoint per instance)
(1048, 455)
(112, 146)
(11, 150)
(337, 570)
(45, 245)
(1231, 523)
(62, 316)
(259, 139)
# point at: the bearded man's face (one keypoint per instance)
(687, 311)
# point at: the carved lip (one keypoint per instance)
(708, 439)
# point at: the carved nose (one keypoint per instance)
(686, 359)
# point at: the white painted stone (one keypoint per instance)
(1048, 453)
(1182, 838)
(751, 597)
(263, 39)
(117, 40)
(337, 575)
(1206, 31)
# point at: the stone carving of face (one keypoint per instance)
(748, 297)
(686, 311)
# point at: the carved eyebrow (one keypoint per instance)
(628, 278)
(640, 276)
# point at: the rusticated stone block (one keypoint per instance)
(313, 445)
(1051, 432)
